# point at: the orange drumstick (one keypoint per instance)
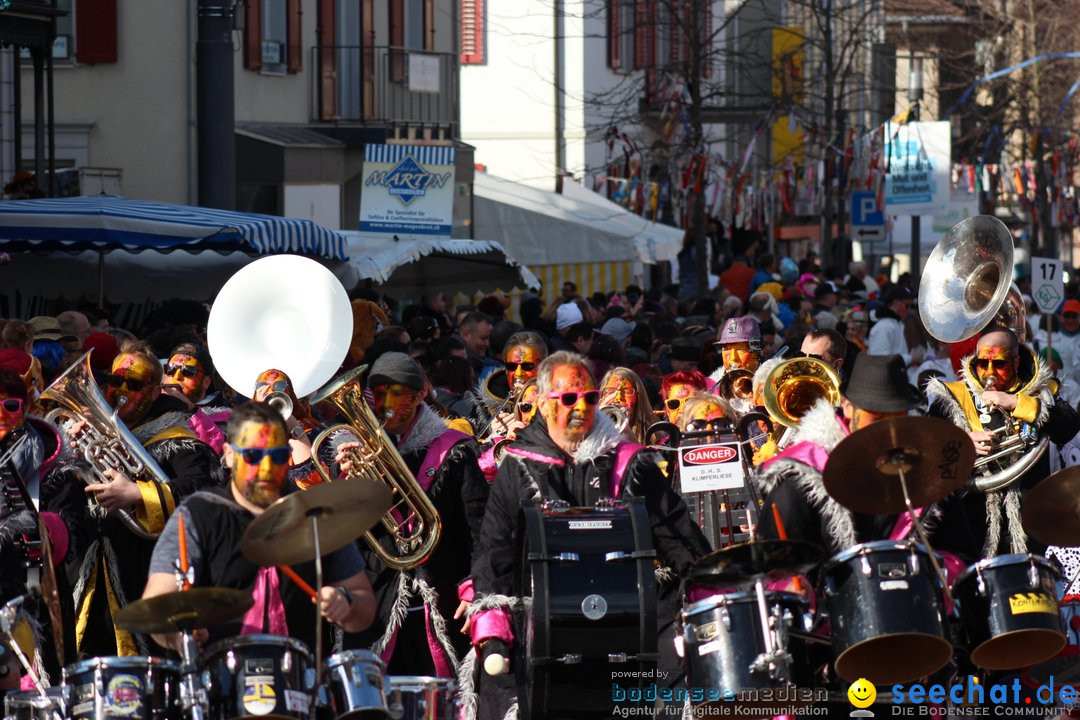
(299, 581)
(183, 549)
(797, 581)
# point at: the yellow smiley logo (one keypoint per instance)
(862, 693)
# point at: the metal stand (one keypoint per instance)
(776, 660)
(314, 515)
(8, 620)
(192, 695)
(897, 460)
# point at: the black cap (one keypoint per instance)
(197, 351)
(879, 383)
(395, 368)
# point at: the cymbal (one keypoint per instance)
(194, 608)
(1051, 510)
(345, 509)
(770, 559)
(862, 472)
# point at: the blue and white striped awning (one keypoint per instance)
(106, 222)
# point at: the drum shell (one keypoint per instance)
(356, 681)
(887, 622)
(1006, 621)
(122, 687)
(259, 676)
(421, 698)
(29, 705)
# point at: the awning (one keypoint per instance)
(538, 227)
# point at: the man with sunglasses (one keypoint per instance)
(303, 426)
(415, 634)
(188, 375)
(257, 456)
(115, 560)
(570, 452)
(521, 358)
(1000, 385)
(676, 389)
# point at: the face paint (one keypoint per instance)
(401, 400)
(261, 482)
(738, 355)
(11, 420)
(273, 381)
(673, 403)
(137, 370)
(995, 362)
(569, 425)
(187, 374)
(619, 391)
(525, 362)
(528, 404)
(860, 418)
(705, 416)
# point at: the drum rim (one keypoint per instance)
(120, 661)
(855, 551)
(1002, 561)
(420, 681)
(250, 640)
(338, 659)
(705, 603)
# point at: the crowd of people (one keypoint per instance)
(488, 414)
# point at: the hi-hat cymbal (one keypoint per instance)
(743, 563)
(1051, 511)
(862, 472)
(194, 608)
(282, 534)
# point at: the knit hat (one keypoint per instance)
(14, 359)
(395, 368)
(567, 315)
(879, 383)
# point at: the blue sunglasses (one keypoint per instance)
(253, 456)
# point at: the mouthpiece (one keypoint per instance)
(990, 384)
(387, 413)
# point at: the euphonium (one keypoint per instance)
(618, 415)
(378, 457)
(104, 441)
(795, 385)
(737, 387)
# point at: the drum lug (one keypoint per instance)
(864, 563)
(913, 562)
(725, 617)
(558, 557)
(570, 659)
(609, 504)
(554, 505)
(981, 582)
(616, 555)
(1033, 576)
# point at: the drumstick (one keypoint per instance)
(797, 581)
(299, 581)
(183, 549)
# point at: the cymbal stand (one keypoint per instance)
(898, 461)
(193, 698)
(8, 620)
(775, 659)
(314, 515)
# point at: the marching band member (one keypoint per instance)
(188, 374)
(740, 346)
(257, 456)
(621, 386)
(573, 453)
(521, 357)
(303, 429)
(676, 388)
(418, 629)
(828, 346)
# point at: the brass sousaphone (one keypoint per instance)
(966, 286)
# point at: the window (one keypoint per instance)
(272, 36)
(473, 32)
(412, 24)
(622, 29)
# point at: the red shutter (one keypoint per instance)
(397, 23)
(295, 34)
(644, 34)
(472, 32)
(429, 25)
(326, 33)
(613, 34)
(95, 31)
(253, 34)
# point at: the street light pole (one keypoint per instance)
(915, 94)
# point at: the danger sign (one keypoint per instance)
(710, 467)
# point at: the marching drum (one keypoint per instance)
(1009, 616)
(422, 698)
(886, 614)
(146, 688)
(29, 705)
(588, 580)
(356, 685)
(254, 676)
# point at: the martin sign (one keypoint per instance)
(408, 190)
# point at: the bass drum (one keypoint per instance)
(138, 688)
(586, 575)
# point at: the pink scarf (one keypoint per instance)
(267, 594)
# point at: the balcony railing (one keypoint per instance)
(385, 85)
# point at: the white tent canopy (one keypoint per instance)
(538, 227)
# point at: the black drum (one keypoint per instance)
(1009, 615)
(253, 676)
(29, 705)
(723, 643)
(886, 615)
(143, 688)
(590, 596)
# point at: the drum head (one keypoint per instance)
(1018, 649)
(897, 658)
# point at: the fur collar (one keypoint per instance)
(602, 439)
(820, 426)
(1038, 387)
(839, 522)
(426, 428)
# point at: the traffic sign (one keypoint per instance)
(1047, 284)
(864, 210)
(869, 234)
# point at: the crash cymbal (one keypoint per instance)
(770, 559)
(1051, 511)
(345, 509)
(194, 608)
(862, 472)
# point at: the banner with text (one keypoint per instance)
(919, 161)
(408, 190)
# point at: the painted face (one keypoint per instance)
(401, 400)
(619, 391)
(673, 403)
(132, 381)
(527, 405)
(272, 381)
(185, 372)
(521, 364)
(12, 414)
(570, 423)
(260, 481)
(705, 416)
(860, 418)
(738, 355)
(994, 362)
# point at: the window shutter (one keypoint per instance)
(295, 32)
(397, 23)
(472, 32)
(644, 34)
(614, 61)
(95, 31)
(326, 33)
(253, 34)
(429, 25)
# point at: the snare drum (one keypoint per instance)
(885, 612)
(122, 687)
(259, 676)
(355, 681)
(29, 705)
(1008, 609)
(422, 698)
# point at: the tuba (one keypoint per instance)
(966, 286)
(104, 442)
(795, 385)
(412, 520)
